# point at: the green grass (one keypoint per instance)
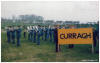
(45, 52)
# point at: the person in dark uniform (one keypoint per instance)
(34, 31)
(56, 37)
(45, 33)
(18, 34)
(13, 35)
(97, 36)
(42, 34)
(53, 34)
(94, 37)
(39, 34)
(31, 34)
(50, 34)
(8, 34)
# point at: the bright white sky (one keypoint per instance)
(82, 11)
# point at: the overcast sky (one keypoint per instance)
(62, 10)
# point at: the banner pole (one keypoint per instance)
(56, 39)
(92, 49)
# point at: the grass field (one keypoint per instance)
(45, 52)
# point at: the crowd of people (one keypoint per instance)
(13, 33)
(37, 33)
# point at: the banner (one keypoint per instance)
(75, 36)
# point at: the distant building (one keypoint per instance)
(49, 22)
(91, 22)
(59, 22)
(70, 22)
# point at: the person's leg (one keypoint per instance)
(50, 37)
(34, 37)
(13, 40)
(28, 36)
(54, 37)
(45, 36)
(38, 41)
(42, 36)
(94, 41)
(24, 34)
(18, 42)
(8, 38)
(71, 45)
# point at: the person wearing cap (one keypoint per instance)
(53, 29)
(8, 34)
(18, 35)
(34, 31)
(13, 34)
(39, 34)
(42, 34)
(47, 37)
(50, 34)
(29, 33)
(94, 37)
(24, 32)
(46, 33)
(56, 27)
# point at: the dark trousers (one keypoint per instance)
(46, 36)
(71, 45)
(94, 41)
(24, 34)
(50, 37)
(29, 36)
(8, 38)
(38, 40)
(13, 40)
(18, 41)
(34, 37)
(42, 37)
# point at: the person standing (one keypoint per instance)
(18, 34)
(42, 33)
(24, 32)
(39, 34)
(8, 34)
(28, 28)
(45, 33)
(34, 31)
(50, 34)
(13, 34)
(31, 34)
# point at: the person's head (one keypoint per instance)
(63, 27)
(9, 26)
(19, 26)
(72, 26)
(56, 26)
(38, 25)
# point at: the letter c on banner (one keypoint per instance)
(62, 36)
